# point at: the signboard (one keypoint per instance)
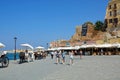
(84, 29)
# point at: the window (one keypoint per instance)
(109, 6)
(110, 13)
(110, 20)
(115, 6)
(115, 20)
(115, 13)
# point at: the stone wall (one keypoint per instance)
(115, 40)
(91, 34)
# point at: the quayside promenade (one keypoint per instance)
(88, 68)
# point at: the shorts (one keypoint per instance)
(63, 58)
(71, 57)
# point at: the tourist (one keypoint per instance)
(63, 57)
(88, 52)
(80, 54)
(75, 52)
(58, 56)
(27, 55)
(101, 51)
(71, 53)
(52, 54)
(31, 56)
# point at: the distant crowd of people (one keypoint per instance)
(30, 56)
(61, 55)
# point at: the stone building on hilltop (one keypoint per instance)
(112, 18)
(113, 14)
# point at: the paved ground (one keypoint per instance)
(89, 68)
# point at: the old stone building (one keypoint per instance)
(112, 19)
(113, 14)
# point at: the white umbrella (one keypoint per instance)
(2, 45)
(39, 47)
(27, 45)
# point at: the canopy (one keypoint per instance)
(27, 45)
(52, 49)
(104, 45)
(118, 45)
(83, 46)
(2, 45)
(86, 46)
(64, 48)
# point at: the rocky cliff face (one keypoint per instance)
(94, 35)
(91, 34)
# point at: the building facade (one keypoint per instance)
(112, 17)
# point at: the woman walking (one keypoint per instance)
(80, 54)
(71, 53)
(58, 56)
(63, 57)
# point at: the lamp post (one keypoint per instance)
(15, 38)
(47, 45)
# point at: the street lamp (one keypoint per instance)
(15, 38)
(47, 45)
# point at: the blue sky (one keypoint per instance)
(39, 22)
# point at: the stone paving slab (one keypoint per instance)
(88, 68)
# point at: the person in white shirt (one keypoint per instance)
(71, 53)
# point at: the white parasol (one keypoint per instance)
(39, 47)
(27, 45)
(2, 45)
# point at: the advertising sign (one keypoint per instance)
(84, 29)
